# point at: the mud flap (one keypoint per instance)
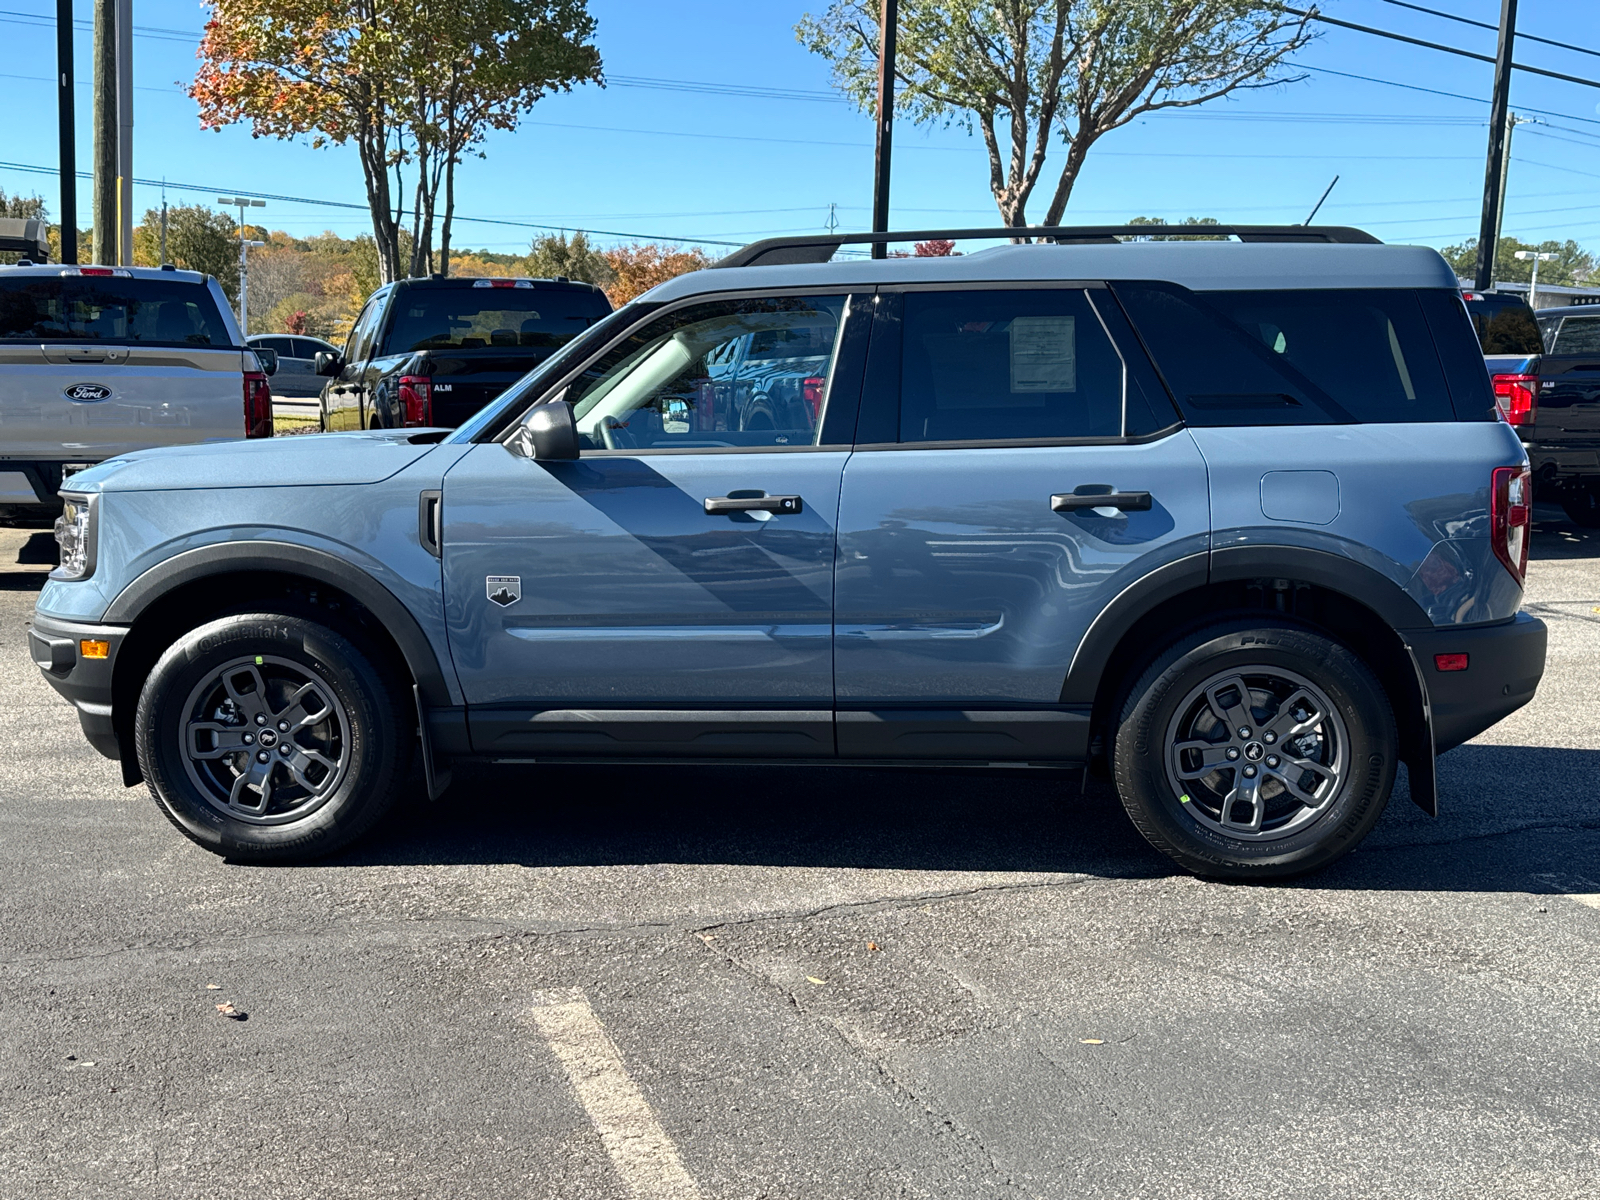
(1418, 755)
(437, 780)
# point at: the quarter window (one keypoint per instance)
(725, 373)
(1007, 365)
(1578, 335)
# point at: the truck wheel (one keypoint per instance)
(271, 738)
(1255, 750)
(1583, 505)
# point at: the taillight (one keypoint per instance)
(1516, 398)
(416, 399)
(1511, 518)
(811, 390)
(257, 405)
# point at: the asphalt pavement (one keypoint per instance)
(611, 982)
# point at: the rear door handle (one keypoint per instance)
(1126, 501)
(736, 504)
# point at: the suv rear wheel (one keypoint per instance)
(1582, 504)
(268, 737)
(1255, 750)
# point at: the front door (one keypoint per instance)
(972, 556)
(671, 590)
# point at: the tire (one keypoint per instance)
(1582, 505)
(235, 689)
(1194, 803)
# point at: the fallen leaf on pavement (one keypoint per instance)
(815, 980)
(1093, 1041)
(872, 945)
(227, 1009)
(213, 987)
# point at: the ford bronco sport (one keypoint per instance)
(1234, 519)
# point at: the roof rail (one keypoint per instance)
(817, 248)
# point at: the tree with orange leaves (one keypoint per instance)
(412, 83)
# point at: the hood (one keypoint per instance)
(327, 458)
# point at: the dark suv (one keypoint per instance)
(434, 351)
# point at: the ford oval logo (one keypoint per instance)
(87, 392)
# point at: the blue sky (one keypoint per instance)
(675, 164)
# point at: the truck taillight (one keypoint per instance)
(416, 399)
(1511, 517)
(811, 390)
(257, 405)
(1516, 398)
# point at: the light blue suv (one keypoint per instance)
(1234, 519)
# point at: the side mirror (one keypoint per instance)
(549, 434)
(267, 358)
(328, 363)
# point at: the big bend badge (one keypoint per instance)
(504, 590)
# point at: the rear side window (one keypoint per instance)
(109, 310)
(1577, 335)
(1290, 357)
(1007, 365)
(475, 318)
(1504, 325)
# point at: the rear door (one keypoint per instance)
(972, 556)
(98, 366)
(671, 591)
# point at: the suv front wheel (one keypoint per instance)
(268, 737)
(1255, 750)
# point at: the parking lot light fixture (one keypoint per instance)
(1537, 257)
(244, 202)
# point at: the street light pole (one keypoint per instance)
(1537, 257)
(245, 243)
(889, 21)
(67, 119)
(1483, 279)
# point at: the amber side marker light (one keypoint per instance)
(91, 648)
(1450, 662)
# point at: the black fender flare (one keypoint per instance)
(290, 559)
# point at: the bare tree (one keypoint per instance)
(1026, 72)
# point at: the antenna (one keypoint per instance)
(1314, 211)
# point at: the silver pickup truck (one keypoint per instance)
(100, 361)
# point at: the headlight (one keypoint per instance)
(75, 534)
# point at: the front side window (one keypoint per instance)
(1007, 365)
(1577, 335)
(750, 372)
(355, 346)
(109, 310)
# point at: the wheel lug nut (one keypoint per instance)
(263, 756)
(1233, 752)
(248, 738)
(1272, 760)
(1270, 738)
(1249, 772)
(1244, 733)
(260, 720)
(284, 749)
(283, 725)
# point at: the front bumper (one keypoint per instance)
(1504, 665)
(56, 649)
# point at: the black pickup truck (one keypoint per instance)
(431, 352)
(1546, 372)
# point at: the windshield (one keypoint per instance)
(109, 310)
(474, 318)
(491, 419)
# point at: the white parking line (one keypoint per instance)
(639, 1148)
(1569, 885)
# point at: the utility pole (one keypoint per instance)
(66, 117)
(125, 132)
(105, 132)
(163, 261)
(888, 23)
(1512, 121)
(1495, 170)
(832, 223)
(245, 243)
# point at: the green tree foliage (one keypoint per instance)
(1572, 264)
(556, 255)
(198, 239)
(1029, 72)
(28, 208)
(1168, 237)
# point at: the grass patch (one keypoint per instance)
(284, 426)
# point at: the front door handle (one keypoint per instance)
(1126, 501)
(716, 505)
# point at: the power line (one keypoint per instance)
(1400, 37)
(1412, 87)
(1521, 37)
